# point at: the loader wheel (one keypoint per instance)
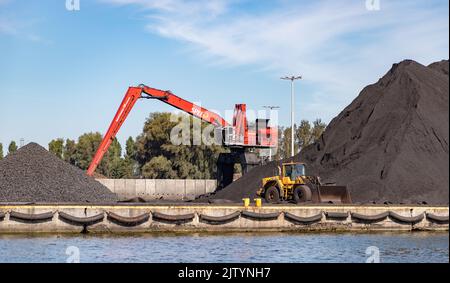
(302, 194)
(272, 195)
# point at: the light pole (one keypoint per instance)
(292, 79)
(271, 108)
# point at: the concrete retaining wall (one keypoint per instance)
(196, 222)
(151, 189)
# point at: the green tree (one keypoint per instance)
(115, 149)
(111, 166)
(57, 147)
(286, 145)
(12, 147)
(86, 148)
(130, 166)
(1, 151)
(304, 134)
(318, 129)
(154, 148)
(116, 168)
(69, 152)
(156, 133)
(158, 168)
(130, 148)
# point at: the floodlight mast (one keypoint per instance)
(292, 79)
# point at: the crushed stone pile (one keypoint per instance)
(32, 174)
(389, 145)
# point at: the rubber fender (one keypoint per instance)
(261, 216)
(304, 220)
(166, 217)
(82, 221)
(2, 215)
(46, 216)
(435, 218)
(128, 221)
(336, 215)
(406, 219)
(370, 218)
(220, 219)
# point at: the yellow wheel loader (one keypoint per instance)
(292, 184)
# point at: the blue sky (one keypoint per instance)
(64, 73)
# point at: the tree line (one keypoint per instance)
(152, 154)
(304, 134)
(11, 149)
(80, 153)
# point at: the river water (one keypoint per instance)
(273, 247)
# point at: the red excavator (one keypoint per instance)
(241, 139)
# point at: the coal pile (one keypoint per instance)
(389, 145)
(32, 174)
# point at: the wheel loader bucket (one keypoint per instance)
(333, 194)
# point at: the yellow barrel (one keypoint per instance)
(246, 201)
(258, 202)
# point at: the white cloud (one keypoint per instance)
(15, 25)
(338, 46)
(179, 7)
(6, 27)
(11, 27)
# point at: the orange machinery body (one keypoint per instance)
(236, 135)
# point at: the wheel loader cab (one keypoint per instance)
(291, 171)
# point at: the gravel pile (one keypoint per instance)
(389, 145)
(32, 174)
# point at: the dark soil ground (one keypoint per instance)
(32, 174)
(389, 145)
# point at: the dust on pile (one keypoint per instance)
(389, 145)
(32, 174)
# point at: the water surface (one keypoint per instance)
(273, 247)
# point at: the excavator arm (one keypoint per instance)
(184, 105)
(142, 91)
